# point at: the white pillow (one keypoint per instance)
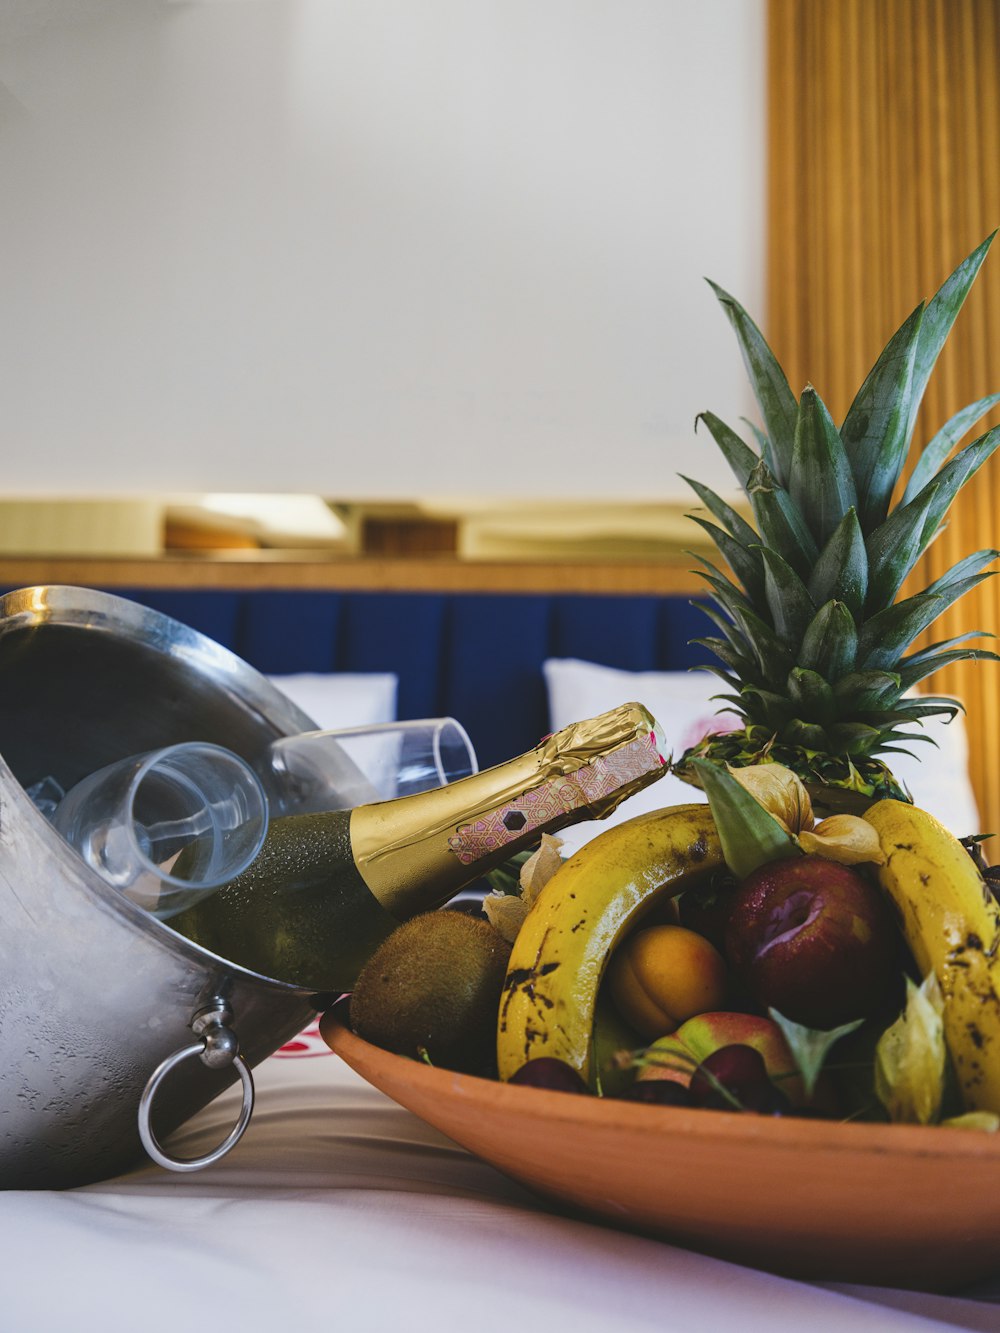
(681, 701)
(338, 699)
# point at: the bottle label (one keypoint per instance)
(545, 805)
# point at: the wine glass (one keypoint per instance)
(337, 770)
(169, 825)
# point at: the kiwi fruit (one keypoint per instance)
(432, 990)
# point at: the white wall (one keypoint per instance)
(375, 248)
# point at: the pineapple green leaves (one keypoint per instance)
(812, 641)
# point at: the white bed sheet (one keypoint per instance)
(341, 1211)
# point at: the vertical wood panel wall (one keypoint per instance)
(884, 172)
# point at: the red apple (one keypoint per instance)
(812, 939)
(700, 1037)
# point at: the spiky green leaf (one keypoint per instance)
(874, 432)
(885, 635)
(806, 735)
(740, 457)
(767, 708)
(744, 563)
(774, 398)
(938, 449)
(860, 691)
(812, 695)
(781, 525)
(841, 570)
(943, 645)
(743, 666)
(953, 476)
(733, 521)
(787, 597)
(894, 547)
(918, 671)
(963, 569)
(854, 738)
(830, 643)
(937, 323)
(821, 483)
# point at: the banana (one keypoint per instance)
(952, 925)
(550, 992)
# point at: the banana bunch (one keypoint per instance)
(952, 925)
(548, 1003)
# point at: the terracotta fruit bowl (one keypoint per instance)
(892, 1205)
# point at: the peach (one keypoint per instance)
(699, 1037)
(663, 975)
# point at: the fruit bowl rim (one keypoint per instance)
(791, 1133)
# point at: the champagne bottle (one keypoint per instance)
(327, 888)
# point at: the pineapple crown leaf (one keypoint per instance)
(942, 311)
(953, 476)
(841, 570)
(821, 482)
(770, 386)
(894, 546)
(787, 596)
(744, 563)
(781, 525)
(830, 643)
(936, 452)
(875, 428)
(734, 523)
(737, 453)
(964, 569)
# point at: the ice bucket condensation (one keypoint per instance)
(95, 994)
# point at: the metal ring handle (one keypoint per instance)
(149, 1139)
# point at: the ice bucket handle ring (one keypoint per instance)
(218, 1047)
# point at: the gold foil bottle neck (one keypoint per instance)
(417, 852)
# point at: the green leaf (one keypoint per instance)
(781, 525)
(806, 735)
(953, 476)
(964, 569)
(744, 563)
(774, 398)
(893, 549)
(884, 636)
(863, 690)
(841, 571)
(810, 1046)
(830, 643)
(910, 675)
(740, 457)
(875, 430)
(764, 706)
(937, 450)
(787, 597)
(750, 837)
(734, 522)
(813, 696)
(854, 738)
(937, 323)
(744, 667)
(821, 483)
(763, 443)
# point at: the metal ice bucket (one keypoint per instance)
(103, 1009)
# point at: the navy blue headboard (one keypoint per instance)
(473, 656)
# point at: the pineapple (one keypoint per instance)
(812, 641)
